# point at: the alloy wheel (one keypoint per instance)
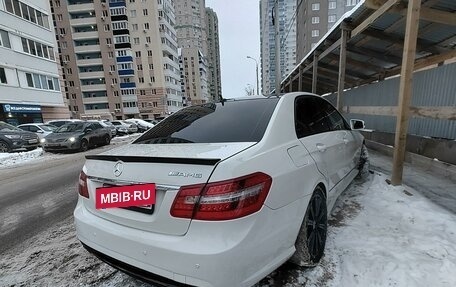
(316, 226)
(4, 147)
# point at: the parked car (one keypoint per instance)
(125, 127)
(223, 193)
(108, 125)
(59, 123)
(141, 124)
(13, 138)
(152, 121)
(40, 129)
(77, 136)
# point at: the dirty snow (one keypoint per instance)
(19, 158)
(379, 235)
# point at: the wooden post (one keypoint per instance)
(405, 89)
(314, 73)
(342, 62)
(300, 78)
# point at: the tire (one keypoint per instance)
(106, 140)
(363, 164)
(84, 145)
(311, 241)
(4, 147)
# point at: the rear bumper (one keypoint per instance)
(230, 253)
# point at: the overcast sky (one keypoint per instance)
(239, 33)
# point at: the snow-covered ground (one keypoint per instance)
(19, 158)
(379, 235)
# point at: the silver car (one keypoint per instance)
(40, 129)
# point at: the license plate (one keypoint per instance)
(53, 144)
(33, 141)
(126, 196)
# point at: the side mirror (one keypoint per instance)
(88, 130)
(357, 124)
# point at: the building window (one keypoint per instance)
(135, 27)
(145, 12)
(139, 67)
(332, 5)
(351, 2)
(26, 12)
(133, 13)
(37, 49)
(3, 76)
(42, 82)
(136, 41)
(316, 6)
(149, 53)
(141, 79)
(315, 20)
(146, 26)
(138, 54)
(148, 39)
(332, 18)
(4, 39)
(108, 41)
(315, 33)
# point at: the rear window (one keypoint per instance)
(232, 121)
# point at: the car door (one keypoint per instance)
(314, 130)
(100, 132)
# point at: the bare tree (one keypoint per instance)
(249, 90)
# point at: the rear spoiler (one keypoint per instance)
(175, 160)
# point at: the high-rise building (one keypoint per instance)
(314, 18)
(287, 25)
(192, 40)
(119, 57)
(30, 89)
(213, 50)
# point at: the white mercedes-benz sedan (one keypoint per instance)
(220, 194)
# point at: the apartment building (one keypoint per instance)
(192, 41)
(213, 50)
(287, 25)
(119, 58)
(30, 89)
(314, 18)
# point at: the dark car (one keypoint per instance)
(12, 138)
(77, 136)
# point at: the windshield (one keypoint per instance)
(4, 127)
(232, 121)
(48, 128)
(71, 127)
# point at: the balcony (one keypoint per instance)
(95, 100)
(93, 88)
(91, 75)
(85, 35)
(81, 7)
(97, 112)
(127, 85)
(83, 21)
(90, 62)
(129, 98)
(124, 59)
(87, 48)
(130, 111)
(117, 4)
(126, 72)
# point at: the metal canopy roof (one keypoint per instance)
(375, 44)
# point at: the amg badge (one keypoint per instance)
(185, 174)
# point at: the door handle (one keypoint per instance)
(321, 147)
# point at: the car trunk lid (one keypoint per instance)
(168, 166)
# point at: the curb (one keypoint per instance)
(431, 165)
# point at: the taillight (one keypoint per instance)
(83, 190)
(222, 200)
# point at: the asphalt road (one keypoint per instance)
(37, 195)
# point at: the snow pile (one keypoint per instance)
(379, 235)
(9, 159)
(382, 235)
